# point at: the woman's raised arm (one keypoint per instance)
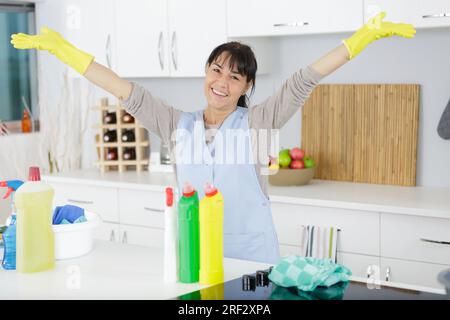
(82, 62)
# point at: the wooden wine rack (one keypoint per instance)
(140, 144)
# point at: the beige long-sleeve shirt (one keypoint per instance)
(162, 119)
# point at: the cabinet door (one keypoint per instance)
(404, 11)
(434, 13)
(415, 238)
(100, 200)
(107, 231)
(359, 229)
(142, 208)
(413, 273)
(288, 17)
(89, 26)
(141, 35)
(195, 29)
(142, 236)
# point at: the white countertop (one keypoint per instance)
(422, 201)
(109, 271)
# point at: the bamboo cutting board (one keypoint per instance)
(363, 133)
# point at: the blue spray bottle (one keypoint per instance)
(9, 236)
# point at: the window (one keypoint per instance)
(18, 74)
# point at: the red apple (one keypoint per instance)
(297, 153)
(297, 164)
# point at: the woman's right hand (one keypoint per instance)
(54, 43)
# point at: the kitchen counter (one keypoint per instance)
(420, 201)
(119, 271)
(110, 271)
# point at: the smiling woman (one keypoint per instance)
(18, 68)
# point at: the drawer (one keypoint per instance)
(358, 264)
(410, 272)
(415, 238)
(100, 200)
(142, 236)
(142, 208)
(359, 229)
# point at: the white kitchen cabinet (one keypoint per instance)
(143, 236)
(89, 25)
(195, 29)
(100, 200)
(142, 208)
(411, 272)
(415, 238)
(434, 13)
(108, 231)
(359, 230)
(157, 38)
(142, 38)
(422, 14)
(404, 11)
(288, 17)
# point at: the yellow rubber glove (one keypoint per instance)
(375, 29)
(54, 43)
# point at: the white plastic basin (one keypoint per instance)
(75, 240)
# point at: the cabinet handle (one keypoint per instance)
(173, 49)
(80, 201)
(154, 210)
(112, 237)
(291, 24)
(124, 238)
(108, 51)
(160, 50)
(388, 273)
(438, 15)
(434, 241)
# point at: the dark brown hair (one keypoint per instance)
(241, 56)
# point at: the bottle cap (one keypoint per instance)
(210, 190)
(169, 196)
(34, 174)
(188, 190)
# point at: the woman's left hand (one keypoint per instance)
(375, 29)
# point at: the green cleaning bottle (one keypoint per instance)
(35, 238)
(188, 235)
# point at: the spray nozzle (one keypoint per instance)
(12, 186)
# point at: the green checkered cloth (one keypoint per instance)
(306, 273)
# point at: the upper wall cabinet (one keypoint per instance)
(157, 38)
(420, 13)
(89, 26)
(290, 17)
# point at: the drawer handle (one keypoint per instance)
(438, 15)
(154, 210)
(112, 236)
(80, 201)
(291, 24)
(434, 241)
(125, 238)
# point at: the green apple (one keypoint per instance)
(308, 161)
(284, 159)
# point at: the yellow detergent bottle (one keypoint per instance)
(211, 236)
(35, 249)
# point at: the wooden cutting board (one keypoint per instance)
(363, 132)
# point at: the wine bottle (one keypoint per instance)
(127, 118)
(128, 136)
(110, 136)
(111, 154)
(110, 118)
(129, 154)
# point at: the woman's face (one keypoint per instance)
(223, 87)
